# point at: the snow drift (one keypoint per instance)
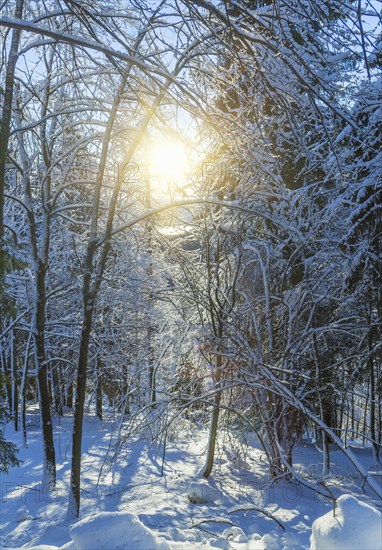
(114, 531)
(356, 525)
(200, 492)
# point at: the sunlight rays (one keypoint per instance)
(168, 163)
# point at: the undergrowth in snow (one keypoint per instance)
(147, 498)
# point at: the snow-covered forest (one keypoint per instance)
(191, 274)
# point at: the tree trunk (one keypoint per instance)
(69, 396)
(57, 391)
(49, 473)
(23, 391)
(79, 405)
(212, 436)
(372, 394)
(99, 403)
(152, 381)
(372, 399)
(325, 404)
(7, 379)
(326, 454)
(354, 436)
(150, 301)
(274, 433)
(6, 114)
(207, 469)
(15, 382)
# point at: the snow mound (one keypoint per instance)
(22, 514)
(357, 525)
(221, 543)
(115, 531)
(200, 492)
(235, 534)
(177, 534)
(271, 542)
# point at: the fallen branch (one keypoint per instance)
(256, 509)
(214, 520)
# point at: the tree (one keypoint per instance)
(287, 121)
(8, 450)
(6, 114)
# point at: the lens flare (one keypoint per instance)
(168, 162)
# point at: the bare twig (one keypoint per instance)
(256, 509)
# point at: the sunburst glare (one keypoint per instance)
(168, 163)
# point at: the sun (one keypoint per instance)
(168, 163)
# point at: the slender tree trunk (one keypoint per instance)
(79, 405)
(352, 414)
(341, 419)
(49, 473)
(372, 394)
(98, 388)
(212, 436)
(6, 114)
(274, 433)
(150, 301)
(15, 382)
(69, 396)
(326, 453)
(326, 416)
(347, 414)
(325, 407)
(125, 409)
(364, 417)
(57, 392)
(23, 391)
(214, 421)
(151, 359)
(7, 379)
(372, 400)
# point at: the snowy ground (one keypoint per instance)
(135, 485)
